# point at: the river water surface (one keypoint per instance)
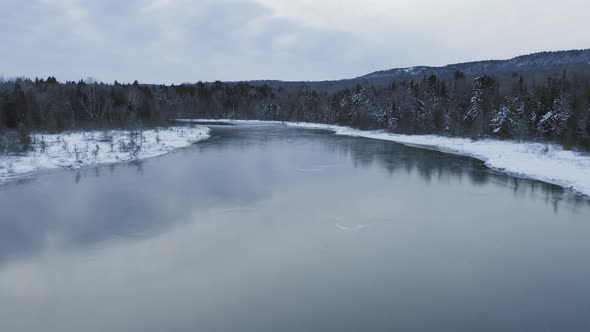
(270, 228)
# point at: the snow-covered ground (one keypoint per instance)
(545, 162)
(81, 149)
(232, 121)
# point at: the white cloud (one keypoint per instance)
(181, 40)
(448, 31)
(77, 17)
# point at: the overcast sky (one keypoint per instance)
(175, 41)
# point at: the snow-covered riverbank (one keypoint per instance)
(545, 162)
(82, 149)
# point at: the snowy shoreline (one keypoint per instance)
(75, 150)
(544, 162)
(539, 161)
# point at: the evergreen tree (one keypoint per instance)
(553, 123)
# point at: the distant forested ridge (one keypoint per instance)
(544, 96)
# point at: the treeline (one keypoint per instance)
(524, 106)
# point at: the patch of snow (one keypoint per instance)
(409, 70)
(263, 122)
(546, 117)
(76, 150)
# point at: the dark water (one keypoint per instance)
(268, 228)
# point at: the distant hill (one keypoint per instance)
(536, 61)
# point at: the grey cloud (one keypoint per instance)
(168, 41)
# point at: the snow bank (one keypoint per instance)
(82, 149)
(231, 121)
(545, 162)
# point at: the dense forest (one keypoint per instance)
(552, 106)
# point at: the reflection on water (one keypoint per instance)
(96, 172)
(265, 228)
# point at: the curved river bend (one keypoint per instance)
(267, 228)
